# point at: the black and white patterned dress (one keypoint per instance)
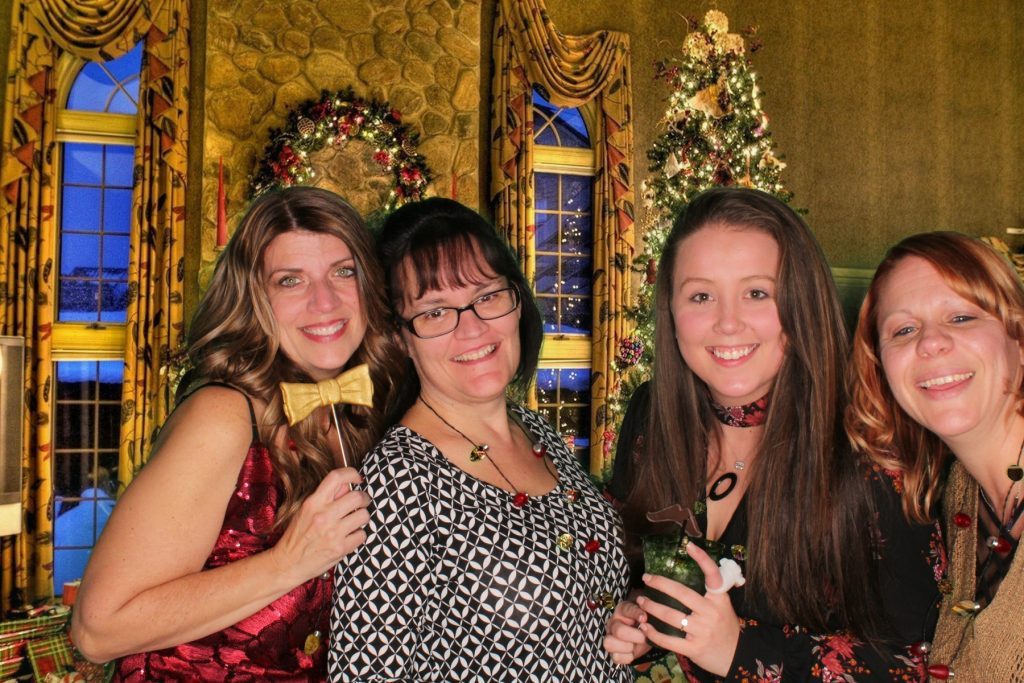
(454, 583)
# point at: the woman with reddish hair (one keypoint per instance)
(938, 369)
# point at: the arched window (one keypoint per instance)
(563, 248)
(96, 128)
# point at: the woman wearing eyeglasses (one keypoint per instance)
(489, 553)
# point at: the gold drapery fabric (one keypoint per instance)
(569, 71)
(27, 188)
(97, 26)
(156, 271)
(28, 183)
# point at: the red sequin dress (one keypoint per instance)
(267, 646)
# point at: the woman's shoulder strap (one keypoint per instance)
(248, 401)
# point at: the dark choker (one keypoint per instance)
(748, 415)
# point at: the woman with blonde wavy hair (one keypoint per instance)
(938, 372)
(216, 561)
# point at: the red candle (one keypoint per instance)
(222, 208)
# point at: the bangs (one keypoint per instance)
(438, 262)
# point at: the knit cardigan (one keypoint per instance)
(990, 646)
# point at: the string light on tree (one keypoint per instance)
(715, 133)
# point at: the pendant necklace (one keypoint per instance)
(999, 543)
(480, 451)
(564, 541)
(744, 416)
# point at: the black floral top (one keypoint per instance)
(911, 562)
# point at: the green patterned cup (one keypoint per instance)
(666, 556)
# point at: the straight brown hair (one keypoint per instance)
(807, 501)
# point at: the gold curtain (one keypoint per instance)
(156, 271)
(569, 71)
(28, 182)
(26, 221)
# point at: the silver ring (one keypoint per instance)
(685, 622)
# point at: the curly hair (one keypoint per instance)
(234, 337)
(875, 423)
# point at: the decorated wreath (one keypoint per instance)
(334, 119)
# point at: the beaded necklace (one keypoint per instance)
(1000, 543)
(564, 541)
(480, 451)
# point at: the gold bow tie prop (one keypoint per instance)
(352, 386)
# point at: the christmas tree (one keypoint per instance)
(715, 134)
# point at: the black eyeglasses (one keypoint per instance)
(438, 322)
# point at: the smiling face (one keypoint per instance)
(950, 365)
(724, 307)
(475, 362)
(311, 283)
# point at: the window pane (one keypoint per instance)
(569, 129)
(69, 476)
(545, 192)
(572, 128)
(75, 427)
(82, 163)
(576, 316)
(91, 89)
(575, 384)
(568, 135)
(119, 165)
(548, 313)
(128, 65)
(79, 254)
(563, 397)
(576, 193)
(108, 86)
(80, 208)
(121, 104)
(546, 275)
(114, 304)
(109, 425)
(117, 211)
(574, 420)
(111, 375)
(115, 256)
(68, 565)
(78, 301)
(86, 434)
(547, 137)
(576, 276)
(547, 386)
(576, 234)
(74, 381)
(547, 232)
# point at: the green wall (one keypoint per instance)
(893, 118)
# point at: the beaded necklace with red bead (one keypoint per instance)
(480, 452)
(999, 543)
(520, 498)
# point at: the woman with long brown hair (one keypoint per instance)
(742, 426)
(215, 564)
(938, 368)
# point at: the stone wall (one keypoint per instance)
(263, 57)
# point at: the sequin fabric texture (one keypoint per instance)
(268, 646)
(455, 583)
